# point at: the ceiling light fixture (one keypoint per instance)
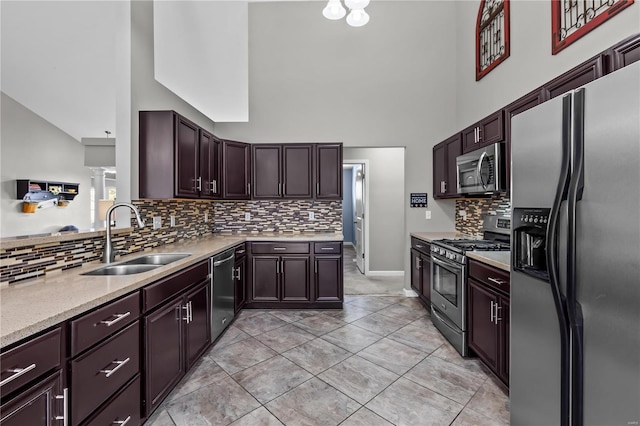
(357, 16)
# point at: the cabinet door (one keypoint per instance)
(504, 315)
(487, 131)
(266, 171)
(36, 406)
(416, 271)
(440, 170)
(265, 271)
(294, 275)
(329, 171)
(579, 76)
(328, 278)
(425, 263)
(483, 332)
(626, 52)
(186, 161)
(164, 364)
(236, 162)
(198, 331)
(297, 170)
(470, 138)
(454, 149)
(240, 269)
(209, 165)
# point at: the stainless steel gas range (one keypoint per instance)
(449, 277)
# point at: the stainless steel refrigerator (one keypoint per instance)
(575, 278)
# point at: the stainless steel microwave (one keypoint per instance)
(481, 171)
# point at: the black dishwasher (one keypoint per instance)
(222, 294)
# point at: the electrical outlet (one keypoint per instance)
(247, 217)
(206, 217)
(427, 214)
(312, 216)
(462, 214)
(157, 222)
(172, 220)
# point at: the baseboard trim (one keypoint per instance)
(346, 243)
(409, 293)
(386, 273)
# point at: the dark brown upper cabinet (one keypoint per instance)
(177, 157)
(445, 176)
(526, 102)
(578, 76)
(236, 170)
(282, 171)
(485, 132)
(624, 53)
(328, 159)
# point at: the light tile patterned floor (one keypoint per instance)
(379, 361)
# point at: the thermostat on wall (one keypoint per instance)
(418, 199)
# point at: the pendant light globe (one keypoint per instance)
(334, 10)
(357, 18)
(356, 4)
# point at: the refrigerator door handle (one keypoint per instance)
(553, 261)
(574, 311)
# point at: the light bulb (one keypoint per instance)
(334, 10)
(357, 18)
(356, 4)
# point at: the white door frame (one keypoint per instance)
(365, 163)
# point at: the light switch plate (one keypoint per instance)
(247, 217)
(427, 214)
(172, 221)
(206, 217)
(312, 216)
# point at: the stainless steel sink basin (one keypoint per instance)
(139, 264)
(122, 269)
(156, 259)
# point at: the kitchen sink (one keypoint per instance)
(139, 264)
(122, 269)
(156, 259)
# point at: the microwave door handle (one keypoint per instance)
(479, 170)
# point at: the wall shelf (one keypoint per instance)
(29, 189)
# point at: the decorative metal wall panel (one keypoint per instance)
(492, 35)
(571, 19)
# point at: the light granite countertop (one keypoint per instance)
(499, 259)
(430, 236)
(34, 305)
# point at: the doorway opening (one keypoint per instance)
(355, 206)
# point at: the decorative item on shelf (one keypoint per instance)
(62, 202)
(357, 16)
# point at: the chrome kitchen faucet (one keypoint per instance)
(109, 254)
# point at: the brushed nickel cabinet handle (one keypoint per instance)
(109, 373)
(121, 422)
(65, 407)
(497, 281)
(18, 372)
(119, 317)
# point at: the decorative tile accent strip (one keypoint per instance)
(279, 216)
(20, 263)
(476, 209)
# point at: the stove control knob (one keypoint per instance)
(535, 220)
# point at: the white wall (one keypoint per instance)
(388, 84)
(531, 63)
(385, 174)
(208, 67)
(33, 148)
(146, 92)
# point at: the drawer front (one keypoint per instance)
(420, 245)
(98, 374)
(124, 408)
(280, 248)
(24, 363)
(328, 248)
(240, 251)
(156, 293)
(490, 276)
(95, 326)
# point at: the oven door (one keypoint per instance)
(447, 289)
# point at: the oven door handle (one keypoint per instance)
(445, 264)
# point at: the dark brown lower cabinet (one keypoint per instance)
(265, 279)
(239, 274)
(175, 336)
(123, 408)
(40, 405)
(280, 278)
(328, 278)
(489, 327)
(421, 270)
(294, 276)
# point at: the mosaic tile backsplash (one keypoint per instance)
(193, 219)
(476, 209)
